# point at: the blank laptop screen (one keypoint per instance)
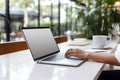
(40, 41)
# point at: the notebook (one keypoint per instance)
(78, 43)
(44, 48)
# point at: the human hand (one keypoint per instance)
(77, 53)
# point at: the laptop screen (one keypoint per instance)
(40, 41)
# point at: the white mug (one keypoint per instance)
(99, 41)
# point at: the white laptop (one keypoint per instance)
(44, 49)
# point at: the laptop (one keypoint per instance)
(44, 48)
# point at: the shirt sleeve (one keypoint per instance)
(117, 55)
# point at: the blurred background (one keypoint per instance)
(60, 15)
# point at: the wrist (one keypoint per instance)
(87, 55)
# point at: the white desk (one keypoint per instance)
(20, 66)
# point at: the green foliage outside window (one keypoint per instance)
(96, 17)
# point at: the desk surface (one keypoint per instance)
(20, 66)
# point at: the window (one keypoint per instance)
(56, 14)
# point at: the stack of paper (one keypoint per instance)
(78, 43)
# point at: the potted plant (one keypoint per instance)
(96, 17)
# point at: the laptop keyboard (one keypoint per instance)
(54, 58)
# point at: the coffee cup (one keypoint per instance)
(99, 41)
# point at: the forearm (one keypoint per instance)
(104, 58)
